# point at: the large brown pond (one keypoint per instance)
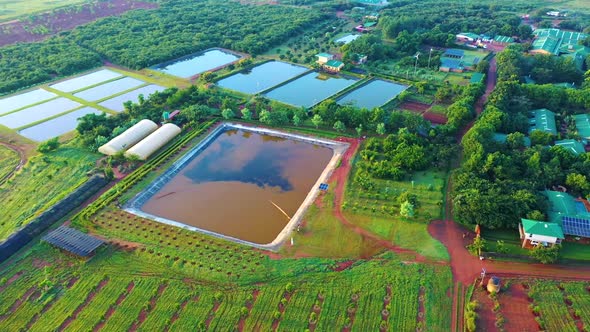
(230, 187)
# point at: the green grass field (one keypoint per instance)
(378, 211)
(43, 180)
(8, 161)
(10, 9)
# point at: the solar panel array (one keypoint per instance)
(73, 241)
(576, 226)
(324, 186)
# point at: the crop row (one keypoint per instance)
(229, 311)
(265, 308)
(65, 306)
(194, 315)
(166, 305)
(579, 295)
(549, 300)
(302, 311)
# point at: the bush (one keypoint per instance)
(545, 255)
(49, 145)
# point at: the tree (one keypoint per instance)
(577, 182)
(477, 246)
(545, 255)
(407, 209)
(227, 114)
(339, 126)
(296, 120)
(246, 114)
(539, 137)
(483, 66)
(316, 120)
(359, 130)
(501, 247)
(49, 145)
(381, 128)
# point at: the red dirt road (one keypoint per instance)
(514, 305)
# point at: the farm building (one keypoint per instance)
(571, 145)
(451, 65)
(572, 214)
(533, 233)
(453, 53)
(476, 78)
(154, 141)
(544, 120)
(73, 241)
(583, 125)
(324, 58)
(467, 36)
(129, 137)
(333, 66)
(503, 39)
(555, 41)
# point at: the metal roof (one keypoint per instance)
(583, 125)
(324, 55)
(544, 120)
(476, 78)
(73, 240)
(571, 145)
(504, 39)
(451, 63)
(334, 63)
(542, 228)
(453, 52)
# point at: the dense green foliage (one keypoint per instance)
(499, 183)
(143, 38)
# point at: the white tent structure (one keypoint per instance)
(129, 137)
(154, 141)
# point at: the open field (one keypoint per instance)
(10, 9)
(130, 290)
(44, 179)
(8, 161)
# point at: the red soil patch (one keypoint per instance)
(435, 117)
(343, 266)
(18, 303)
(39, 263)
(212, 314)
(84, 304)
(48, 306)
(11, 280)
(415, 106)
(515, 308)
(144, 312)
(111, 309)
(486, 317)
(59, 20)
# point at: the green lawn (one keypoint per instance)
(8, 161)
(42, 181)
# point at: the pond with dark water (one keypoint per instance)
(237, 183)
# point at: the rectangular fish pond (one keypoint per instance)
(376, 93)
(261, 77)
(87, 80)
(249, 185)
(108, 89)
(38, 112)
(15, 102)
(116, 103)
(197, 63)
(56, 126)
(310, 89)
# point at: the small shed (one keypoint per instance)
(154, 141)
(494, 285)
(324, 58)
(73, 241)
(129, 137)
(334, 66)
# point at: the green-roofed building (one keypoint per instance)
(571, 145)
(543, 119)
(534, 232)
(572, 214)
(555, 41)
(324, 57)
(503, 39)
(501, 138)
(333, 65)
(583, 125)
(369, 24)
(476, 78)
(577, 52)
(469, 36)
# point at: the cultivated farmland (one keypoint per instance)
(8, 161)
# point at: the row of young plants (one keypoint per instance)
(578, 294)
(549, 308)
(304, 309)
(194, 315)
(266, 309)
(167, 304)
(230, 310)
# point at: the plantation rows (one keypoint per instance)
(550, 303)
(114, 295)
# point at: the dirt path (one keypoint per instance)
(515, 309)
(23, 160)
